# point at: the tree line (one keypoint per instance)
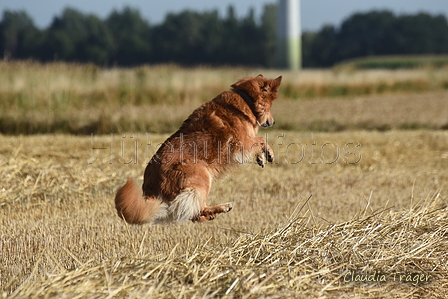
(125, 38)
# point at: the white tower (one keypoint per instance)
(289, 45)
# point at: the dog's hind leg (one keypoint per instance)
(186, 205)
(191, 200)
(190, 203)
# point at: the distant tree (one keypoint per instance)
(269, 34)
(75, 36)
(322, 49)
(18, 35)
(212, 31)
(366, 34)
(421, 34)
(250, 41)
(64, 36)
(376, 33)
(97, 47)
(131, 36)
(308, 55)
(190, 38)
(230, 42)
(181, 38)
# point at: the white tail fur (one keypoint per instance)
(185, 206)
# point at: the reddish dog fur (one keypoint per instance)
(219, 134)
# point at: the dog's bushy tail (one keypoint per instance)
(136, 209)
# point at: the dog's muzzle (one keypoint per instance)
(267, 124)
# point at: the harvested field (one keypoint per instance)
(355, 205)
(84, 99)
(336, 208)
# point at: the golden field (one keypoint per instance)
(84, 99)
(346, 211)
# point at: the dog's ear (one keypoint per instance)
(275, 84)
(240, 84)
(249, 84)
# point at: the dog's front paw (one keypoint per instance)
(261, 160)
(269, 155)
(265, 157)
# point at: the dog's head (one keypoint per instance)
(262, 93)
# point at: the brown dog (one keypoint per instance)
(219, 134)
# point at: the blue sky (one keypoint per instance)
(315, 13)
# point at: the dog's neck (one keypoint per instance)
(247, 98)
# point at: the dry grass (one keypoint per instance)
(396, 62)
(84, 99)
(297, 230)
(427, 110)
